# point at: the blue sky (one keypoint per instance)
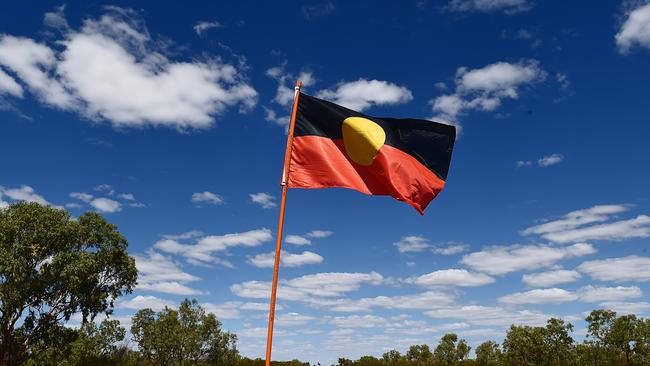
(170, 120)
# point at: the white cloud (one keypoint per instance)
(413, 243)
(293, 319)
(539, 296)
(320, 234)
(328, 284)
(82, 196)
(357, 321)
(490, 316)
(227, 310)
(523, 163)
(8, 85)
(450, 249)
(635, 31)
(23, 193)
(453, 277)
(106, 205)
(608, 294)
(201, 253)
(202, 26)
(623, 308)
(549, 160)
(265, 200)
(207, 197)
(143, 302)
(363, 94)
(485, 88)
(550, 278)
(630, 268)
(160, 273)
(423, 300)
(285, 91)
(111, 69)
(500, 260)
(572, 227)
(297, 240)
(486, 6)
(287, 259)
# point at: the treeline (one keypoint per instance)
(611, 340)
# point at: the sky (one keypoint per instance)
(170, 120)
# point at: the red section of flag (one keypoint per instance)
(320, 162)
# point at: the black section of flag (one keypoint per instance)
(431, 143)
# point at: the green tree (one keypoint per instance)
(559, 344)
(488, 354)
(599, 323)
(624, 335)
(51, 267)
(524, 345)
(183, 337)
(391, 358)
(420, 354)
(448, 352)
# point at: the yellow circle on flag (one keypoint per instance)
(362, 139)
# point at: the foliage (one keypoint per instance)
(183, 337)
(51, 267)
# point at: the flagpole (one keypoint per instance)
(283, 200)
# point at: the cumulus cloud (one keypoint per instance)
(487, 6)
(207, 198)
(203, 26)
(498, 260)
(605, 294)
(297, 240)
(490, 316)
(484, 89)
(363, 94)
(549, 160)
(202, 251)
(328, 284)
(262, 199)
(590, 224)
(320, 234)
(412, 243)
(8, 85)
(287, 259)
(105, 204)
(453, 277)
(112, 70)
(450, 249)
(631, 268)
(423, 300)
(22, 193)
(550, 278)
(159, 273)
(635, 30)
(539, 296)
(143, 302)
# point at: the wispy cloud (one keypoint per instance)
(287, 259)
(207, 197)
(590, 224)
(262, 199)
(203, 26)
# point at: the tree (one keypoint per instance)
(420, 354)
(52, 267)
(488, 354)
(524, 345)
(559, 344)
(448, 352)
(599, 323)
(391, 358)
(624, 335)
(183, 337)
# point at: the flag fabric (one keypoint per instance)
(333, 146)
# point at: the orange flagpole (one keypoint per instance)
(278, 242)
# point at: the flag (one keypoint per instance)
(333, 146)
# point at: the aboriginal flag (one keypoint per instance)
(333, 146)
